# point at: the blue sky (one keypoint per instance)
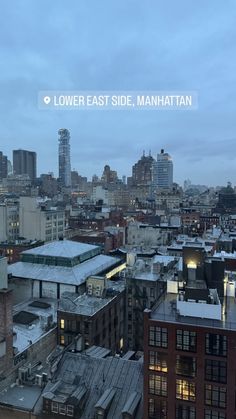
(125, 45)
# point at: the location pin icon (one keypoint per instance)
(46, 100)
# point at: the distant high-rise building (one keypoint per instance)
(3, 166)
(162, 171)
(64, 157)
(24, 162)
(109, 176)
(142, 171)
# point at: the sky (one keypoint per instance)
(126, 45)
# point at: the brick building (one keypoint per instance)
(97, 315)
(189, 355)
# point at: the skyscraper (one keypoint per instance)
(3, 166)
(142, 171)
(162, 174)
(24, 162)
(64, 157)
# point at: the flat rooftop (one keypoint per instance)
(71, 275)
(28, 333)
(22, 397)
(165, 310)
(88, 305)
(61, 248)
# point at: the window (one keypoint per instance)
(62, 340)
(213, 414)
(62, 324)
(129, 302)
(70, 410)
(185, 390)
(186, 340)
(215, 396)
(185, 412)
(151, 292)
(185, 365)
(158, 336)
(157, 409)
(158, 385)
(62, 409)
(157, 361)
(216, 344)
(54, 407)
(216, 371)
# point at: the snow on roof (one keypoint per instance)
(75, 275)
(61, 248)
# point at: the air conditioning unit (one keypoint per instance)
(44, 377)
(97, 293)
(23, 374)
(90, 292)
(90, 286)
(29, 369)
(38, 380)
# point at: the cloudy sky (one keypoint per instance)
(123, 45)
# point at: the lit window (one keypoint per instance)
(185, 390)
(62, 324)
(62, 340)
(157, 361)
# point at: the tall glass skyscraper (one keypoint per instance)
(64, 157)
(162, 171)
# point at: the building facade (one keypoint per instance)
(162, 174)
(97, 315)
(25, 162)
(64, 157)
(38, 222)
(189, 352)
(3, 166)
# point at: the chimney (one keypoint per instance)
(3, 273)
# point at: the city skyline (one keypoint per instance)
(56, 172)
(141, 49)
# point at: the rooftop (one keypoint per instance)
(100, 377)
(32, 322)
(22, 397)
(88, 305)
(75, 275)
(61, 248)
(166, 310)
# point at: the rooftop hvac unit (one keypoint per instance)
(98, 293)
(23, 374)
(90, 292)
(90, 285)
(38, 380)
(44, 377)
